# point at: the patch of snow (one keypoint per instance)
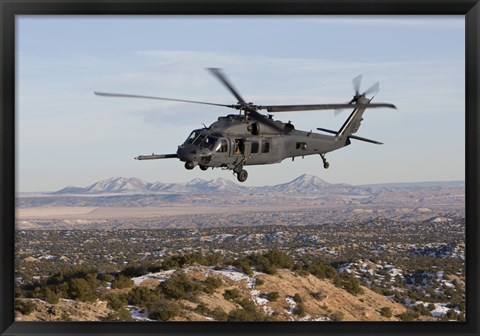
(232, 273)
(159, 276)
(261, 301)
(322, 318)
(345, 268)
(138, 314)
(440, 310)
(293, 305)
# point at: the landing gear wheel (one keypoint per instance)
(202, 167)
(189, 165)
(242, 175)
(325, 163)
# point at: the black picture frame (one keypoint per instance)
(9, 9)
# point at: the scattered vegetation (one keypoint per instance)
(24, 307)
(51, 281)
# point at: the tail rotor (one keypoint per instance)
(357, 81)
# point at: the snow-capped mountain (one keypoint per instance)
(301, 185)
(117, 184)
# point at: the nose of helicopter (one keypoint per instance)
(186, 153)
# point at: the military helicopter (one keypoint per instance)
(251, 138)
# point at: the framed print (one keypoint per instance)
(209, 168)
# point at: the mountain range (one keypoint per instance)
(304, 184)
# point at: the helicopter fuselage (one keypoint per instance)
(235, 141)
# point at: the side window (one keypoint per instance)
(266, 146)
(239, 147)
(255, 146)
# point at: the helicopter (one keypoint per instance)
(251, 138)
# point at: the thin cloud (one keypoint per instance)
(442, 22)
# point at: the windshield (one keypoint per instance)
(192, 136)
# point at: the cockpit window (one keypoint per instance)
(192, 137)
(198, 139)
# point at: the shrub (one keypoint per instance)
(300, 310)
(279, 259)
(337, 316)
(249, 312)
(24, 307)
(211, 283)
(80, 289)
(179, 286)
(143, 296)
(163, 310)
(349, 283)
(273, 296)
(321, 270)
(244, 266)
(117, 301)
(297, 298)
(420, 308)
(320, 295)
(120, 315)
(219, 314)
(231, 294)
(44, 292)
(190, 259)
(263, 264)
(386, 312)
(134, 271)
(409, 315)
(452, 315)
(122, 282)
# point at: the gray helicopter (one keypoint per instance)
(251, 138)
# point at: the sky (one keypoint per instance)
(68, 136)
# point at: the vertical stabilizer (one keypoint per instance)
(352, 124)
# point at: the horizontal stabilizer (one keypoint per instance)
(156, 157)
(365, 139)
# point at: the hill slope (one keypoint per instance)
(320, 298)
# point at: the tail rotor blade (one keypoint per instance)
(356, 84)
(373, 89)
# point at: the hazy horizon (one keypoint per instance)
(234, 181)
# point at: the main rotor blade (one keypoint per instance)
(222, 78)
(295, 108)
(122, 95)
